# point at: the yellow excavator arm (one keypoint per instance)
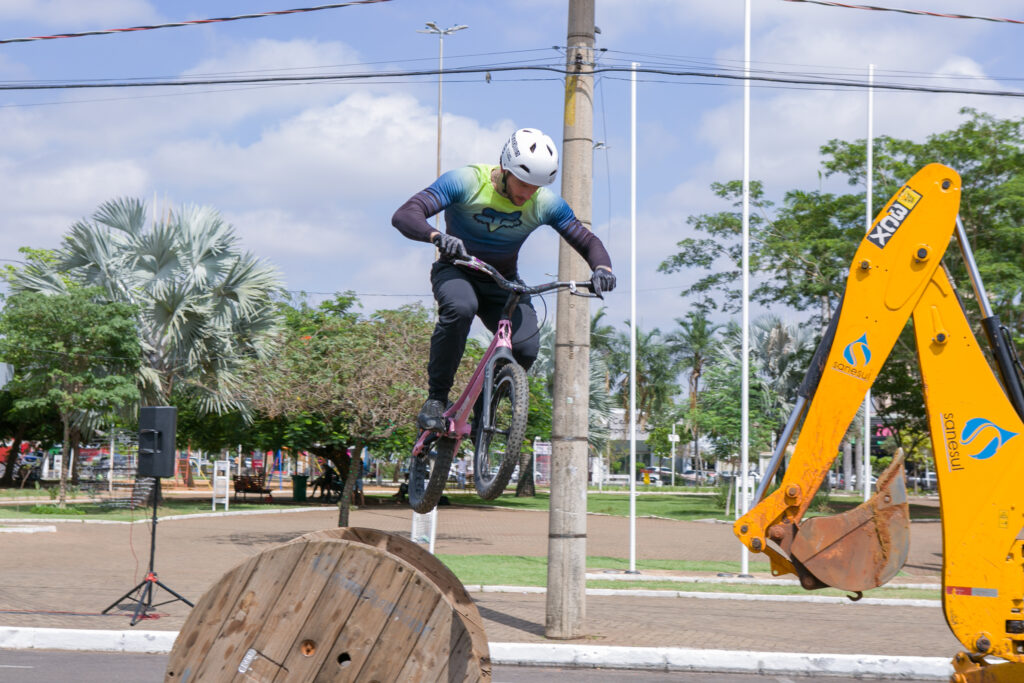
(976, 429)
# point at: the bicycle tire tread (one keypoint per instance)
(489, 490)
(425, 501)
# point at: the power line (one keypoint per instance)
(921, 12)
(822, 82)
(194, 22)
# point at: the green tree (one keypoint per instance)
(692, 344)
(656, 372)
(719, 251)
(801, 251)
(203, 304)
(19, 426)
(600, 402)
(342, 382)
(988, 153)
(72, 351)
(718, 407)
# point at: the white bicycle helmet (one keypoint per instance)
(530, 156)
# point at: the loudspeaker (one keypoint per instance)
(157, 428)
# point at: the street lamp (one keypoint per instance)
(433, 28)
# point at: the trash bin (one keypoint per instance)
(299, 487)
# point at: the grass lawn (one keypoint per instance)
(27, 492)
(687, 507)
(682, 506)
(503, 570)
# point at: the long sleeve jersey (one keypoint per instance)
(490, 226)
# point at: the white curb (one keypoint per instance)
(17, 638)
(674, 578)
(700, 595)
(724, 661)
(28, 529)
(545, 654)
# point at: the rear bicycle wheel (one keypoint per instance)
(428, 474)
(500, 440)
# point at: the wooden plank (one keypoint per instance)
(357, 639)
(373, 601)
(465, 663)
(249, 612)
(312, 643)
(255, 668)
(204, 622)
(408, 622)
(424, 561)
(295, 602)
(430, 654)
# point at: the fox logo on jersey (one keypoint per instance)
(495, 219)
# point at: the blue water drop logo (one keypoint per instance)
(861, 345)
(974, 428)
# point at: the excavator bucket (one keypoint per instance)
(864, 547)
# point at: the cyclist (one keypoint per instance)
(490, 210)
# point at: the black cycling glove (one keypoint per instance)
(451, 247)
(602, 281)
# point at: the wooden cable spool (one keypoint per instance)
(346, 604)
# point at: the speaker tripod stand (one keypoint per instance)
(147, 587)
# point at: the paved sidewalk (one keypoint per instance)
(64, 579)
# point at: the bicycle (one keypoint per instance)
(502, 424)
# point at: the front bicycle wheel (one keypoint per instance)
(428, 474)
(500, 440)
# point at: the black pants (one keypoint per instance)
(460, 296)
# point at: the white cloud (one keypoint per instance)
(40, 203)
(363, 147)
(75, 15)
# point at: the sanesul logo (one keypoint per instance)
(977, 426)
(860, 345)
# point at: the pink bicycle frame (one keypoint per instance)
(457, 415)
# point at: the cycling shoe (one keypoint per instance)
(431, 417)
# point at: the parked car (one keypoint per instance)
(697, 477)
(927, 482)
(665, 474)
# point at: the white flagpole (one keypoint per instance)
(869, 171)
(741, 502)
(632, 325)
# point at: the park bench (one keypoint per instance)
(251, 483)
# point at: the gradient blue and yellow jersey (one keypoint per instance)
(490, 226)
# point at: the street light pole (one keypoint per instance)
(433, 28)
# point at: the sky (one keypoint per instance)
(310, 174)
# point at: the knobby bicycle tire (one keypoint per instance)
(509, 403)
(428, 474)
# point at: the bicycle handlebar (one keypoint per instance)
(573, 286)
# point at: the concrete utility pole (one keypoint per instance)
(567, 530)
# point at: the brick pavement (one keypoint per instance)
(64, 579)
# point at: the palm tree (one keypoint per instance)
(599, 411)
(693, 345)
(656, 372)
(204, 305)
(780, 352)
